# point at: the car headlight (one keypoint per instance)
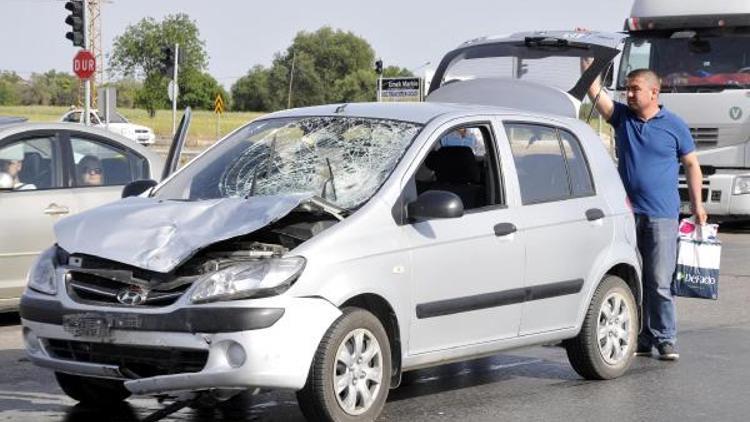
(741, 185)
(42, 275)
(252, 279)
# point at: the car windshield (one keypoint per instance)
(344, 160)
(691, 64)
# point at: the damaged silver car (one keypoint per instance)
(328, 249)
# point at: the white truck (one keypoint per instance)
(702, 52)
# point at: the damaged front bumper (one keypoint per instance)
(265, 343)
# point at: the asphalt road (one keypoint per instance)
(710, 382)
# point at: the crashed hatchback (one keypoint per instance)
(329, 249)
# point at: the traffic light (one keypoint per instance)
(167, 61)
(379, 67)
(76, 22)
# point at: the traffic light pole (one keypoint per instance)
(176, 90)
(87, 82)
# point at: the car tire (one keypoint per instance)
(97, 392)
(605, 346)
(363, 382)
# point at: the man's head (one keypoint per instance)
(90, 171)
(642, 90)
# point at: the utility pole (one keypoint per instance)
(291, 80)
(87, 82)
(176, 89)
(94, 38)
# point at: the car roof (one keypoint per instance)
(414, 112)
(15, 129)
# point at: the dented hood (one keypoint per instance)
(159, 235)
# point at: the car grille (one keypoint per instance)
(141, 131)
(91, 288)
(705, 135)
(135, 361)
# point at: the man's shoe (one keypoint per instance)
(667, 351)
(643, 350)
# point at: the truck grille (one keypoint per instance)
(138, 361)
(85, 287)
(685, 195)
(705, 135)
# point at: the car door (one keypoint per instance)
(466, 271)
(563, 219)
(100, 167)
(29, 211)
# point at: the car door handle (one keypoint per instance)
(54, 209)
(504, 229)
(594, 214)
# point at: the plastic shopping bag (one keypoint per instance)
(698, 256)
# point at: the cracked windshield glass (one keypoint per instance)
(343, 160)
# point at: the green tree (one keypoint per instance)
(138, 52)
(396, 72)
(127, 91)
(50, 88)
(11, 86)
(330, 66)
(199, 90)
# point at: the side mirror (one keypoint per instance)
(435, 204)
(137, 187)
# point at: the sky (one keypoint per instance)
(242, 33)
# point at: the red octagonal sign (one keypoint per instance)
(84, 64)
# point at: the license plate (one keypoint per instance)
(86, 325)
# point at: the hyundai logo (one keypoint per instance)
(132, 295)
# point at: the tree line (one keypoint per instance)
(320, 67)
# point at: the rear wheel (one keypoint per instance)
(604, 348)
(351, 371)
(98, 392)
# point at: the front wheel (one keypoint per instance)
(92, 391)
(604, 348)
(351, 371)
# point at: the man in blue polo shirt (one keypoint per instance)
(651, 141)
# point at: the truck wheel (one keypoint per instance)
(604, 348)
(92, 391)
(350, 374)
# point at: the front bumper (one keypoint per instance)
(278, 336)
(718, 199)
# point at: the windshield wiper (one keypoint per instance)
(329, 180)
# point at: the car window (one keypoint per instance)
(94, 119)
(29, 164)
(99, 164)
(580, 177)
(460, 163)
(540, 163)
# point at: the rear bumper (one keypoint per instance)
(276, 356)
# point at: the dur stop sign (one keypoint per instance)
(84, 64)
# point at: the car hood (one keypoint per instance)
(159, 235)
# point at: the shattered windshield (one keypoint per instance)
(344, 160)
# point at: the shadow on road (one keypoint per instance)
(119, 413)
(737, 227)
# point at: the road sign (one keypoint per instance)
(172, 90)
(400, 89)
(218, 104)
(84, 64)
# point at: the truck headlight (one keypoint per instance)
(252, 279)
(741, 185)
(42, 275)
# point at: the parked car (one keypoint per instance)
(329, 249)
(44, 177)
(117, 123)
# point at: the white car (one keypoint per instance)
(329, 249)
(117, 123)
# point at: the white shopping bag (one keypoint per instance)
(698, 258)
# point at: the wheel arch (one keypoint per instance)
(383, 311)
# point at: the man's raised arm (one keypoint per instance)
(604, 105)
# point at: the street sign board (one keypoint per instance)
(218, 104)
(401, 89)
(84, 64)
(172, 90)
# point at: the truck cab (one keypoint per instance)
(701, 50)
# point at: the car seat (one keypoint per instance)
(36, 170)
(456, 170)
